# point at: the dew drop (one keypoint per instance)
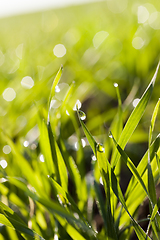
(3, 164)
(101, 181)
(77, 106)
(115, 85)
(41, 157)
(67, 113)
(94, 158)
(110, 136)
(135, 102)
(82, 115)
(100, 148)
(26, 144)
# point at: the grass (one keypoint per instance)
(64, 174)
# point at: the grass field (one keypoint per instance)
(64, 172)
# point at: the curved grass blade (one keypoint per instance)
(131, 166)
(103, 167)
(151, 184)
(89, 137)
(142, 166)
(117, 191)
(101, 204)
(134, 118)
(55, 82)
(9, 218)
(56, 209)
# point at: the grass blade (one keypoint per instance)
(135, 118)
(9, 218)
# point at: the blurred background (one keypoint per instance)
(99, 43)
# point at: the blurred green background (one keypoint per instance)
(98, 44)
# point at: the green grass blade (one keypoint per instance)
(54, 208)
(101, 204)
(55, 82)
(117, 191)
(142, 166)
(89, 137)
(158, 162)
(62, 168)
(102, 162)
(46, 147)
(130, 165)
(73, 171)
(9, 218)
(135, 118)
(153, 119)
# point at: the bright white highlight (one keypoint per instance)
(3, 163)
(135, 102)
(26, 144)
(77, 106)
(41, 158)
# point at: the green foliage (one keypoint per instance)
(65, 162)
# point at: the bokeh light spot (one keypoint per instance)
(9, 94)
(143, 14)
(59, 50)
(6, 149)
(138, 42)
(154, 20)
(27, 82)
(99, 38)
(117, 6)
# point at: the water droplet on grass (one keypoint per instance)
(100, 148)
(26, 144)
(82, 115)
(77, 106)
(3, 163)
(41, 158)
(115, 84)
(135, 102)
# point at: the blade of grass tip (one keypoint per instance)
(54, 84)
(68, 95)
(134, 118)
